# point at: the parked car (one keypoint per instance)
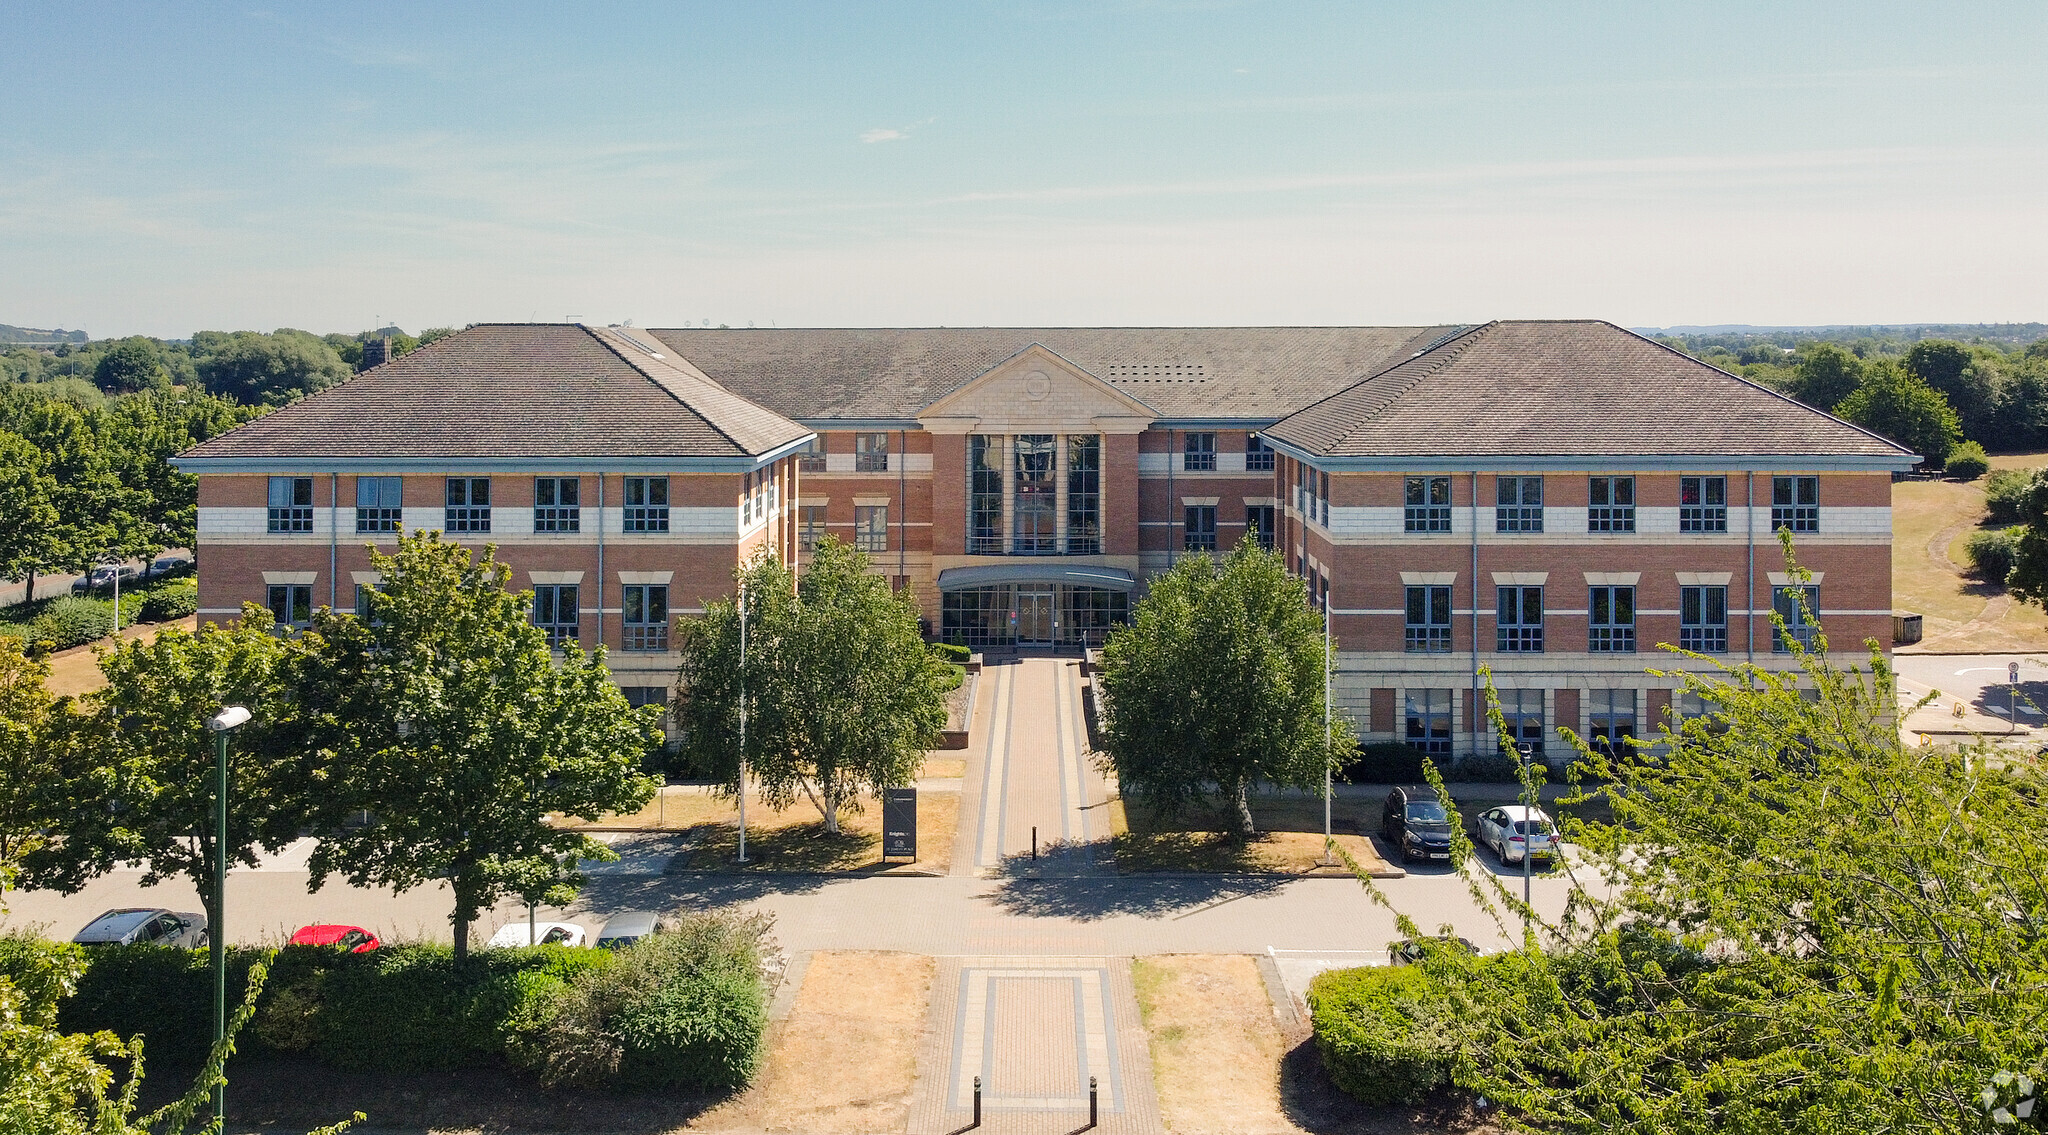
(166, 565)
(145, 926)
(354, 939)
(625, 928)
(544, 934)
(1408, 951)
(1515, 831)
(1414, 823)
(103, 578)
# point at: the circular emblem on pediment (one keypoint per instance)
(1037, 385)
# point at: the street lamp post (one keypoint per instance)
(1529, 824)
(1329, 858)
(743, 722)
(229, 719)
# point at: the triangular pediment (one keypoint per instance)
(1036, 390)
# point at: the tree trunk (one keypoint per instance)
(465, 913)
(831, 810)
(31, 586)
(1243, 795)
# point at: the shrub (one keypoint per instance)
(1385, 1032)
(686, 1008)
(1487, 768)
(953, 652)
(1967, 462)
(416, 1008)
(174, 599)
(72, 621)
(2003, 491)
(1992, 553)
(1385, 762)
(955, 678)
(162, 994)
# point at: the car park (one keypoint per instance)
(1414, 823)
(542, 934)
(145, 926)
(1516, 832)
(167, 565)
(103, 578)
(627, 927)
(353, 939)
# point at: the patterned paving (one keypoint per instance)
(1032, 775)
(1035, 1029)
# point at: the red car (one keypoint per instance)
(354, 939)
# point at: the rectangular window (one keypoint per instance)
(1323, 499)
(557, 504)
(364, 601)
(985, 495)
(378, 504)
(1259, 524)
(291, 604)
(1795, 503)
(810, 527)
(646, 616)
(871, 453)
(1199, 528)
(1611, 720)
(1198, 452)
(1034, 512)
(1703, 619)
(1429, 620)
(469, 504)
(1611, 504)
(1258, 456)
(555, 611)
(1519, 504)
(291, 504)
(811, 458)
(646, 504)
(1429, 721)
(871, 527)
(1703, 504)
(1084, 495)
(1520, 626)
(1800, 608)
(1522, 712)
(1305, 493)
(1428, 507)
(1611, 625)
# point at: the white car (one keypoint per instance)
(544, 933)
(1516, 831)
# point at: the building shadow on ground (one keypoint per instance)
(1084, 898)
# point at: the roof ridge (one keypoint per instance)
(1446, 351)
(604, 336)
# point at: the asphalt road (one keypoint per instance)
(50, 585)
(1978, 681)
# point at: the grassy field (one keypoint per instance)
(1930, 522)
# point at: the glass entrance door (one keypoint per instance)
(1034, 615)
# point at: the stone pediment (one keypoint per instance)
(1036, 391)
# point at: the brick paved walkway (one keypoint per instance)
(1035, 1030)
(1032, 775)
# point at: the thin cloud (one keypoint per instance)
(883, 134)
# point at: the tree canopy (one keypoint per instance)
(842, 693)
(1892, 402)
(1827, 375)
(461, 731)
(273, 368)
(1216, 687)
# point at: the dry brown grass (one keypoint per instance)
(943, 768)
(77, 671)
(1222, 1064)
(1290, 838)
(794, 839)
(1930, 522)
(846, 1057)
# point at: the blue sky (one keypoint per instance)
(168, 168)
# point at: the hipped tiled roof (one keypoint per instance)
(1528, 388)
(518, 390)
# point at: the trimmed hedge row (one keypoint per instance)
(684, 1008)
(953, 652)
(1385, 1032)
(75, 620)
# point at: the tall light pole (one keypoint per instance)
(743, 721)
(229, 719)
(1329, 663)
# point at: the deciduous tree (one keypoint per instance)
(1216, 687)
(29, 720)
(1826, 375)
(454, 724)
(28, 513)
(1894, 403)
(842, 692)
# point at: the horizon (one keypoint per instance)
(1196, 163)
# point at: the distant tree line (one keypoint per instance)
(1930, 395)
(248, 366)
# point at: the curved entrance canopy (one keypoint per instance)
(992, 575)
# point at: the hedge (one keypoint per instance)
(2003, 491)
(1384, 1032)
(1967, 462)
(172, 599)
(163, 994)
(1992, 553)
(1385, 762)
(953, 652)
(65, 621)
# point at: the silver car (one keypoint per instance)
(1517, 831)
(627, 927)
(141, 926)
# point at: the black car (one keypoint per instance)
(145, 926)
(1415, 824)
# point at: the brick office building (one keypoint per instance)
(1549, 499)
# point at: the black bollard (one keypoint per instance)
(1034, 843)
(1091, 1101)
(977, 1101)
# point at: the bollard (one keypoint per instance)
(1034, 843)
(1091, 1101)
(977, 1101)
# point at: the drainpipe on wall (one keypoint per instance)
(902, 515)
(1173, 503)
(1473, 724)
(1749, 538)
(333, 534)
(600, 558)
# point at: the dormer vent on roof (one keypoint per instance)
(1155, 372)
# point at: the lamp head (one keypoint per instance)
(228, 719)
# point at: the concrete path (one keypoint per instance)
(1031, 783)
